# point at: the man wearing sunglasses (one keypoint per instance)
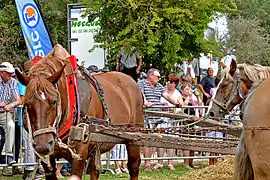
(152, 91)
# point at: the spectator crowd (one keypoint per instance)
(179, 91)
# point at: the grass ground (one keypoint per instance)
(163, 174)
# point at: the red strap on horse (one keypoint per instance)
(73, 100)
(36, 59)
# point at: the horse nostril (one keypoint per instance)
(212, 114)
(34, 144)
(50, 142)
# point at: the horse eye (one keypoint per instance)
(224, 85)
(53, 103)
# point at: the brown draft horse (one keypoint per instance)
(46, 87)
(234, 85)
(252, 156)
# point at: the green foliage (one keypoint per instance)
(11, 41)
(12, 45)
(165, 32)
(250, 41)
(249, 30)
(256, 9)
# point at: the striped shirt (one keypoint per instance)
(9, 91)
(152, 94)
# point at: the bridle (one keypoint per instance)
(224, 106)
(50, 129)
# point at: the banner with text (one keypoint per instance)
(36, 37)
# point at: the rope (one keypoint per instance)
(256, 128)
(64, 146)
(196, 122)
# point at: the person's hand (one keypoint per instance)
(207, 95)
(2, 104)
(164, 104)
(138, 69)
(178, 104)
(196, 93)
(8, 107)
(148, 104)
(117, 67)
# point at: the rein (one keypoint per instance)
(224, 106)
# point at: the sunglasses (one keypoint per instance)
(170, 81)
(156, 76)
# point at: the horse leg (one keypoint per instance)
(50, 171)
(79, 164)
(134, 161)
(94, 173)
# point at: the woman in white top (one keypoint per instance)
(171, 84)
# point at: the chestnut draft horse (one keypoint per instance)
(46, 101)
(252, 156)
(234, 85)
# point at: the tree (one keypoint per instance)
(255, 9)
(249, 30)
(12, 45)
(12, 48)
(250, 41)
(165, 32)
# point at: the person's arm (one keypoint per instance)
(141, 85)
(223, 65)
(117, 64)
(118, 59)
(197, 95)
(201, 84)
(139, 65)
(178, 102)
(145, 102)
(201, 89)
(8, 107)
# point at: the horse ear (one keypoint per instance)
(24, 79)
(56, 76)
(233, 67)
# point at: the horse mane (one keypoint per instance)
(37, 85)
(255, 73)
(39, 73)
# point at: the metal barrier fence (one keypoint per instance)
(108, 158)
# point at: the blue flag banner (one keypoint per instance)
(36, 37)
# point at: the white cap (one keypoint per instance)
(6, 66)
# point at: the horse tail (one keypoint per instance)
(243, 168)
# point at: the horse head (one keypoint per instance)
(231, 90)
(43, 108)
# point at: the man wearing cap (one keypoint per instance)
(9, 98)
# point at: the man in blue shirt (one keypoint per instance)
(206, 84)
